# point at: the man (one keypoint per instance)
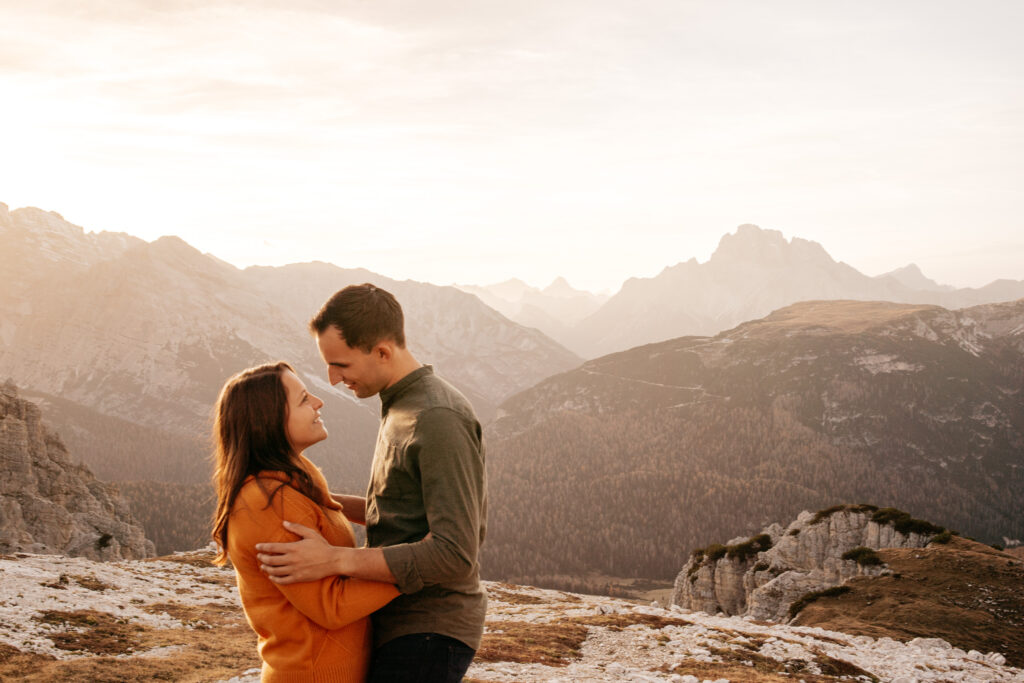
(425, 507)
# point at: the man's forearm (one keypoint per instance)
(362, 563)
(355, 507)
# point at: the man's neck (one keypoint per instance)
(403, 364)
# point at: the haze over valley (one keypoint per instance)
(127, 342)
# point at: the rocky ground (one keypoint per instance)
(178, 618)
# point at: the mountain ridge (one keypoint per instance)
(751, 273)
(908, 406)
(148, 331)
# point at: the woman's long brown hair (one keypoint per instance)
(250, 436)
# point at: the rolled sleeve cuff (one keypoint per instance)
(401, 560)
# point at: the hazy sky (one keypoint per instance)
(475, 141)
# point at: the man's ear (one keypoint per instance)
(383, 351)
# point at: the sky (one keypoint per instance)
(455, 142)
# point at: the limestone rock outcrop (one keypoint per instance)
(48, 504)
(743, 578)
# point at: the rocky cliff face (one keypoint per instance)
(744, 579)
(50, 505)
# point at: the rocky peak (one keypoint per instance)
(911, 276)
(46, 235)
(41, 221)
(560, 287)
(50, 505)
(751, 243)
(762, 576)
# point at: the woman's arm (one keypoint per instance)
(332, 602)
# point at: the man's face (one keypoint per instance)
(363, 373)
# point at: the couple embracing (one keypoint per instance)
(408, 607)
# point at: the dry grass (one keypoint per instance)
(202, 655)
(199, 558)
(87, 582)
(14, 660)
(963, 592)
(94, 632)
(749, 666)
(617, 622)
(90, 583)
(837, 317)
(514, 598)
(555, 644)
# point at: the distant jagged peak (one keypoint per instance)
(560, 288)
(911, 276)
(38, 220)
(172, 247)
(510, 291)
(173, 243)
(55, 239)
(753, 243)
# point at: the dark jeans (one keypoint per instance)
(420, 658)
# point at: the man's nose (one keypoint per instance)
(334, 375)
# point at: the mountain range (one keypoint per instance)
(554, 310)
(127, 344)
(620, 467)
(751, 273)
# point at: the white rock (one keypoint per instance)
(930, 644)
(995, 658)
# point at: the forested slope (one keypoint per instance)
(626, 464)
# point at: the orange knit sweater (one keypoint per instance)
(317, 631)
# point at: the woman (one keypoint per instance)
(315, 631)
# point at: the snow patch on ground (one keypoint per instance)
(886, 363)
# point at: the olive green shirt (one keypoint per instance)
(428, 476)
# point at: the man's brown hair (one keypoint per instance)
(364, 314)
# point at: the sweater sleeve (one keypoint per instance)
(447, 450)
(332, 602)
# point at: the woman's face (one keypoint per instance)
(303, 424)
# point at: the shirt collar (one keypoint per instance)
(388, 396)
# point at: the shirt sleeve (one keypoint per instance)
(447, 449)
(332, 602)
